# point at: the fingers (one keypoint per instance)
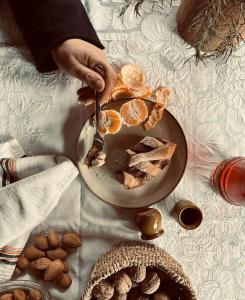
(99, 69)
(87, 102)
(90, 77)
(86, 95)
(103, 71)
(86, 92)
(109, 78)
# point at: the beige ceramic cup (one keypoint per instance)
(188, 214)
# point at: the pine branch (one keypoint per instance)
(137, 4)
(207, 24)
(137, 7)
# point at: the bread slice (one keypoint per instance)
(146, 160)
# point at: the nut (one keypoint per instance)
(19, 294)
(122, 283)
(103, 290)
(172, 289)
(137, 273)
(32, 252)
(151, 283)
(118, 296)
(136, 294)
(41, 263)
(41, 241)
(54, 270)
(23, 262)
(53, 239)
(64, 281)
(66, 266)
(44, 260)
(71, 240)
(17, 272)
(7, 297)
(57, 253)
(161, 296)
(163, 276)
(38, 274)
(35, 295)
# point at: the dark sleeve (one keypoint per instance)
(45, 23)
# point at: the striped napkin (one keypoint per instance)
(30, 187)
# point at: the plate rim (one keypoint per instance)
(155, 202)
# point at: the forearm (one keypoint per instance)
(46, 23)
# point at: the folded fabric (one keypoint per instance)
(30, 188)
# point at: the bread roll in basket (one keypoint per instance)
(135, 254)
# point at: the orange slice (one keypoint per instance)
(110, 122)
(132, 76)
(122, 92)
(145, 92)
(163, 96)
(119, 89)
(134, 112)
(118, 80)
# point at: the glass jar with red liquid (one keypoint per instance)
(228, 179)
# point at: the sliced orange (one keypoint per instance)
(144, 92)
(122, 92)
(119, 89)
(134, 112)
(118, 81)
(163, 96)
(110, 122)
(132, 76)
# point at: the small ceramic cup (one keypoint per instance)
(149, 222)
(188, 214)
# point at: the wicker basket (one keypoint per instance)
(127, 255)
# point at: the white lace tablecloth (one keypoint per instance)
(209, 102)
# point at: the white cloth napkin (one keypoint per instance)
(30, 188)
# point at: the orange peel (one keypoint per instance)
(163, 96)
(154, 117)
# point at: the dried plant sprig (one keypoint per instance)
(206, 25)
(137, 4)
(124, 8)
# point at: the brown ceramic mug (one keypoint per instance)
(188, 214)
(149, 222)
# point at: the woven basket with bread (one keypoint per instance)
(138, 271)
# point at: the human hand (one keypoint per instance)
(79, 59)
